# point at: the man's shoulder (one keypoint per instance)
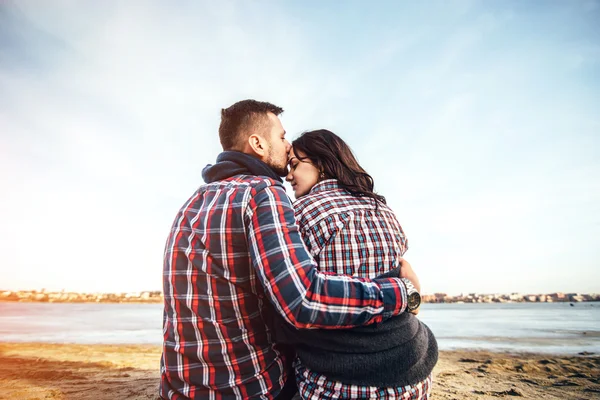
(247, 190)
(243, 182)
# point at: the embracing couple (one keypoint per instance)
(268, 300)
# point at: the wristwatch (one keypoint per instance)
(412, 294)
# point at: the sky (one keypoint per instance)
(479, 122)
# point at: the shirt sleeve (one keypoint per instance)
(305, 297)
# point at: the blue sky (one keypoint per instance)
(478, 120)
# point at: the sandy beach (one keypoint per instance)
(58, 371)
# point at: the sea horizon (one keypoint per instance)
(553, 328)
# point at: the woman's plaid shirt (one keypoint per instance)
(234, 247)
(341, 230)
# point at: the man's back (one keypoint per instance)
(216, 343)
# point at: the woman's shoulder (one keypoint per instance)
(330, 198)
(325, 204)
(322, 199)
(312, 205)
(316, 206)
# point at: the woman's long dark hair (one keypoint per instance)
(334, 158)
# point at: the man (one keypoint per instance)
(234, 255)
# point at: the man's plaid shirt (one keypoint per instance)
(234, 247)
(341, 230)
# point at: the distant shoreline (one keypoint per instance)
(156, 297)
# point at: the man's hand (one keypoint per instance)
(407, 272)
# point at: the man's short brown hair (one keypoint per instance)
(242, 119)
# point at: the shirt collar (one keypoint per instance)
(325, 185)
(231, 163)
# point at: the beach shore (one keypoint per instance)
(85, 372)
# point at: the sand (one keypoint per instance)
(85, 372)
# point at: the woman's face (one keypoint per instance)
(303, 174)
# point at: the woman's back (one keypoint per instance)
(341, 230)
(349, 230)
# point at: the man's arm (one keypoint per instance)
(305, 297)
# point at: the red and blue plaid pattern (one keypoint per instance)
(316, 386)
(234, 247)
(341, 230)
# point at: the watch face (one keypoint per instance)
(414, 300)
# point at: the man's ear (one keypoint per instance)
(258, 144)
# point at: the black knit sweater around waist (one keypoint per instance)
(397, 352)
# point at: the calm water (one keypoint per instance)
(550, 328)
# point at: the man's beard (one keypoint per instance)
(279, 170)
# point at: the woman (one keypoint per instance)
(344, 222)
